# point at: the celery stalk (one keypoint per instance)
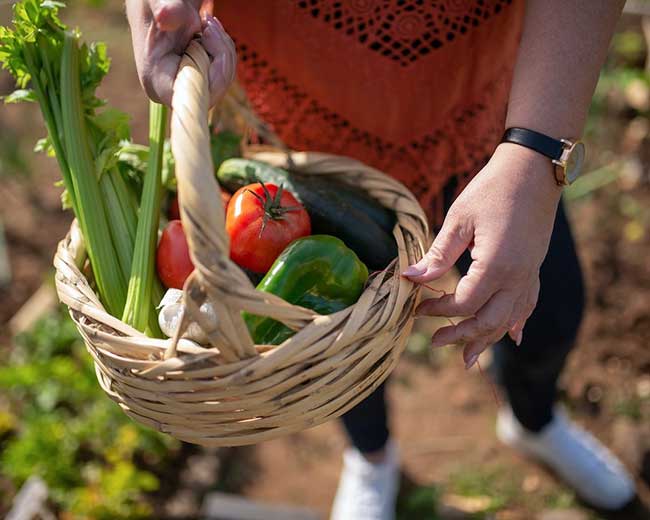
(52, 66)
(48, 100)
(91, 211)
(123, 221)
(138, 309)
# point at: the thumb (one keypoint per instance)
(224, 58)
(447, 247)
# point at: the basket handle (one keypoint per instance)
(202, 210)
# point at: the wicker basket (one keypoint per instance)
(233, 392)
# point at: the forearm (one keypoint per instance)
(563, 46)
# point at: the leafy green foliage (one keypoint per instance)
(224, 145)
(64, 429)
(133, 158)
(421, 503)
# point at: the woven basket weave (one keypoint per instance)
(231, 391)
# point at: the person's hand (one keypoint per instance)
(505, 218)
(162, 29)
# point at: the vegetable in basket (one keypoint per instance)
(261, 220)
(318, 272)
(143, 270)
(224, 145)
(173, 256)
(174, 212)
(335, 208)
(51, 67)
(169, 319)
(54, 68)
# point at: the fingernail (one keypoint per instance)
(413, 270)
(470, 361)
(216, 21)
(520, 336)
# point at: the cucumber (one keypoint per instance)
(335, 208)
(235, 173)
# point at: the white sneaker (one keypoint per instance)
(367, 491)
(575, 455)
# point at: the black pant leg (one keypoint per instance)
(529, 373)
(367, 423)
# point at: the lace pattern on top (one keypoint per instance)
(403, 30)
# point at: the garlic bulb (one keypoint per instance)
(170, 315)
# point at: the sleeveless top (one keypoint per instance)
(415, 88)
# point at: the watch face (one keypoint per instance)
(575, 161)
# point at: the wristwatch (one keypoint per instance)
(567, 156)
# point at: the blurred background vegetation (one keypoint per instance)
(56, 422)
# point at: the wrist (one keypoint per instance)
(529, 169)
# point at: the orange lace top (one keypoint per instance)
(415, 88)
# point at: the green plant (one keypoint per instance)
(630, 407)
(68, 432)
(52, 66)
(420, 502)
(143, 282)
(560, 499)
(493, 482)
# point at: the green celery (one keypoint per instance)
(46, 93)
(91, 211)
(137, 311)
(123, 217)
(32, 50)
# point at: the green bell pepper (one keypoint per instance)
(318, 272)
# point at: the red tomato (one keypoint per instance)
(174, 212)
(173, 256)
(262, 220)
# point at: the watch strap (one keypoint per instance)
(551, 148)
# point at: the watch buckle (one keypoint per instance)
(560, 166)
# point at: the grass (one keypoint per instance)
(630, 407)
(421, 503)
(499, 485)
(559, 499)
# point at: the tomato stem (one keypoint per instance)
(273, 208)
